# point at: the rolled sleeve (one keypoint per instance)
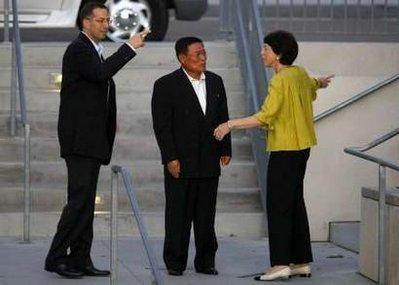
(315, 85)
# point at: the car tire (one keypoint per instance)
(159, 20)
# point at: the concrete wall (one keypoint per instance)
(334, 179)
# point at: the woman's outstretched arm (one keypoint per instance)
(243, 123)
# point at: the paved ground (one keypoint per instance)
(238, 261)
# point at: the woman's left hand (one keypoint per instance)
(221, 131)
(324, 81)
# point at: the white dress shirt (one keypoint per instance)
(199, 88)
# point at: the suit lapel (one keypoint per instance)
(210, 96)
(190, 92)
(86, 40)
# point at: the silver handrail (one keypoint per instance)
(356, 98)
(127, 181)
(17, 78)
(382, 165)
(245, 23)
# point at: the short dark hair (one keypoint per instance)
(284, 44)
(87, 11)
(182, 44)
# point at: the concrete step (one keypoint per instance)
(127, 148)
(44, 124)
(220, 54)
(44, 224)
(138, 79)
(49, 100)
(150, 198)
(237, 174)
(345, 234)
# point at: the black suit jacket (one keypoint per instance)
(182, 130)
(87, 115)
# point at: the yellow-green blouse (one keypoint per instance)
(287, 111)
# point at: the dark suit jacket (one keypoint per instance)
(87, 116)
(182, 130)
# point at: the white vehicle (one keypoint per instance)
(128, 16)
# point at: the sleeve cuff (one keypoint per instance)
(131, 47)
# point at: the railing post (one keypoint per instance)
(114, 227)
(381, 226)
(17, 42)
(6, 35)
(13, 93)
(225, 28)
(27, 198)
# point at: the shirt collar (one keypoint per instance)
(99, 47)
(202, 77)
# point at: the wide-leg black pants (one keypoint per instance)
(75, 227)
(190, 201)
(289, 238)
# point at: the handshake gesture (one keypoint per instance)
(137, 41)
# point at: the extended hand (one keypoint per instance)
(324, 81)
(137, 41)
(225, 160)
(174, 168)
(221, 131)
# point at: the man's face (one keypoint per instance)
(97, 24)
(195, 58)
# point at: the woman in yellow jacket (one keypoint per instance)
(287, 114)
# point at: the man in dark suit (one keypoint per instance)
(187, 104)
(86, 132)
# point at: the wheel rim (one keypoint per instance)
(128, 17)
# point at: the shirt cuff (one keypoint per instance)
(132, 47)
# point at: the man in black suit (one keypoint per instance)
(187, 105)
(86, 132)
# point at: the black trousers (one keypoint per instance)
(190, 201)
(289, 238)
(75, 228)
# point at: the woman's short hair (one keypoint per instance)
(284, 44)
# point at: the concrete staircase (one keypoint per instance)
(239, 208)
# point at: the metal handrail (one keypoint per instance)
(245, 22)
(127, 181)
(356, 98)
(382, 165)
(17, 78)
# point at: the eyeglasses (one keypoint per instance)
(102, 21)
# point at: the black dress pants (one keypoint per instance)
(75, 228)
(289, 238)
(190, 201)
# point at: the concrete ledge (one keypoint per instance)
(368, 258)
(392, 196)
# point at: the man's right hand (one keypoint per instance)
(137, 41)
(174, 168)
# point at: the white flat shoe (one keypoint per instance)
(284, 273)
(302, 271)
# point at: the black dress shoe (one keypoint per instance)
(90, 270)
(208, 271)
(175, 272)
(65, 271)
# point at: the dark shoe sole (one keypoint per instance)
(307, 275)
(257, 278)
